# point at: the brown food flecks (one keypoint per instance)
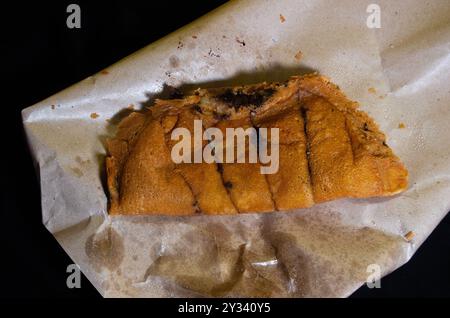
(194, 36)
(372, 90)
(282, 18)
(104, 72)
(401, 125)
(52, 107)
(213, 54)
(409, 236)
(240, 42)
(299, 55)
(94, 115)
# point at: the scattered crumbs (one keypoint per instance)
(372, 90)
(180, 45)
(299, 55)
(409, 236)
(94, 115)
(194, 36)
(81, 161)
(240, 42)
(282, 18)
(401, 125)
(212, 54)
(53, 106)
(224, 36)
(104, 72)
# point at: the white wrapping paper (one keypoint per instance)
(399, 74)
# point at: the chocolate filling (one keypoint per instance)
(240, 99)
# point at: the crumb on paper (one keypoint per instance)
(77, 171)
(52, 107)
(401, 125)
(104, 72)
(212, 54)
(282, 18)
(94, 115)
(81, 161)
(299, 55)
(224, 36)
(240, 42)
(372, 90)
(409, 236)
(194, 36)
(180, 45)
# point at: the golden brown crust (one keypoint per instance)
(328, 149)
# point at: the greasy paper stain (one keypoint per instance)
(105, 249)
(174, 61)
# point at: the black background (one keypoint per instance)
(42, 56)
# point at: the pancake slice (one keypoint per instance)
(330, 151)
(348, 154)
(203, 178)
(290, 186)
(246, 185)
(148, 182)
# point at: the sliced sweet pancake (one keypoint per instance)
(327, 150)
